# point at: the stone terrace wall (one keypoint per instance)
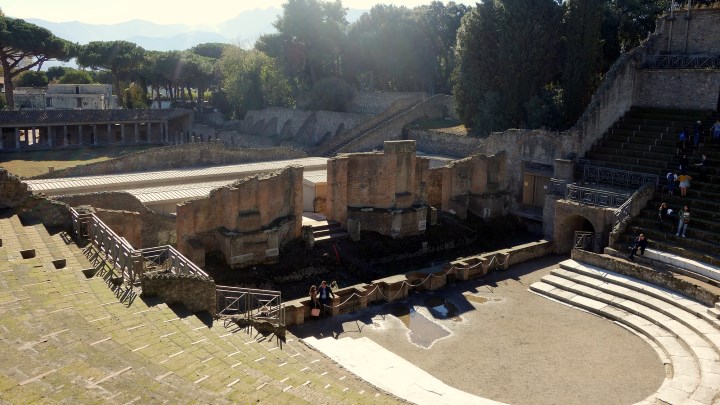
(197, 294)
(157, 230)
(438, 143)
(14, 194)
(376, 102)
(176, 156)
(125, 224)
(702, 28)
(690, 89)
(249, 221)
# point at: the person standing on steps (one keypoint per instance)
(716, 131)
(696, 134)
(684, 180)
(664, 213)
(683, 167)
(671, 182)
(640, 243)
(703, 168)
(683, 221)
(682, 141)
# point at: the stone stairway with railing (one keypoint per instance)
(685, 333)
(68, 338)
(645, 140)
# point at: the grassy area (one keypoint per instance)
(446, 126)
(33, 163)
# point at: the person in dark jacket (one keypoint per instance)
(324, 293)
(640, 243)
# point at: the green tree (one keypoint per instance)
(507, 51)
(31, 78)
(118, 57)
(251, 80)
(134, 97)
(329, 94)
(55, 72)
(308, 41)
(583, 53)
(74, 76)
(24, 46)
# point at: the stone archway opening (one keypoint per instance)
(570, 225)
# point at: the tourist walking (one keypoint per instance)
(716, 131)
(664, 212)
(696, 134)
(684, 180)
(703, 168)
(682, 140)
(639, 243)
(683, 221)
(324, 293)
(671, 182)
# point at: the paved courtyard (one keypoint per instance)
(500, 341)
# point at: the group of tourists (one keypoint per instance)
(665, 214)
(681, 178)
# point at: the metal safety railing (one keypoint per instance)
(557, 187)
(702, 61)
(168, 258)
(590, 241)
(617, 177)
(250, 303)
(595, 197)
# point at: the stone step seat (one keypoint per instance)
(25, 247)
(650, 130)
(703, 229)
(46, 247)
(332, 237)
(706, 270)
(685, 379)
(627, 146)
(145, 351)
(326, 226)
(610, 148)
(652, 150)
(684, 247)
(696, 239)
(682, 114)
(654, 121)
(691, 200)
(669, 297)
(660, 172)
(665, 139)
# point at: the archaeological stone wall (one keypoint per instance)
(126, 224)
(477, 185)
(14, 194)
(197, 294)
(438, 143)
(381, 192)
(177, 156)
(694, 33)
(678, 88)
(157, 230)
(249, 221)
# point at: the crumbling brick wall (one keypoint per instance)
(14, 194)
(196, 293)
(249, 221)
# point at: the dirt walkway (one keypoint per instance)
(502, 342)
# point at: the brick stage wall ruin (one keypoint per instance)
(126, 224)
(249, 221)
(477, 185)
(176, 156)
(157, 230)
(381, 192)
(14, 194)
(197, 294)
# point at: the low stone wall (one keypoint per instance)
(663, 279)
(125, 224)
(438, 143)
(197, 294)
(157, 230)
(177, 156)
(15, 194)
(393, 288)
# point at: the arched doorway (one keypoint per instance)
(565, 233)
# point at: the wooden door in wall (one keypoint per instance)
(534, 187)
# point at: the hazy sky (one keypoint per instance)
(159, 11)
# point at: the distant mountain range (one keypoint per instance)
(243, 30)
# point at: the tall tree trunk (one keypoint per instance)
(9, 88)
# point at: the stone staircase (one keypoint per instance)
(329, 232)
(685, 334)
(67, 338)
(645, 140)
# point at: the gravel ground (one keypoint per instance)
(502, 342)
